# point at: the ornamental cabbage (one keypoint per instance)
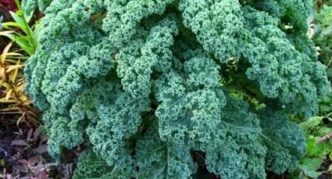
(169, 88)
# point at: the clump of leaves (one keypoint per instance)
(23, 154)
(20, 31)
(319, 148)
(12, 97)
(14, 103)
(323, 37)
(318, 159)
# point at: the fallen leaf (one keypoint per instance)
(41, 149)
(19, 142)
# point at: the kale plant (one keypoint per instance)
(166, 88)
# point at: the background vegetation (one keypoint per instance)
(317, 161)
(23, 144)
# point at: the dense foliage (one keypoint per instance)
(323, 37)
(317, 162)
(146, 85)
